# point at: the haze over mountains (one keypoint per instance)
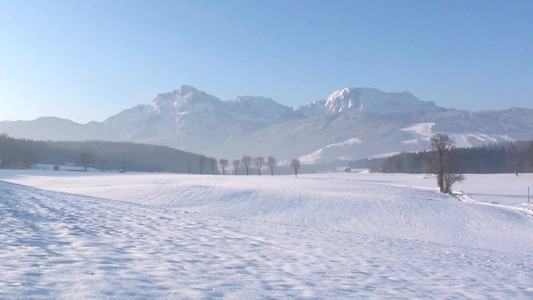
(352, 123)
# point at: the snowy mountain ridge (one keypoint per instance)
(189, 100)
(368, 100)
(373, 121)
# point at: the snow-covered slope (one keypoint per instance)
(319, 154)
(384, 134)
(422, 132)
(249, 108)
(128, 124)
(345, 236)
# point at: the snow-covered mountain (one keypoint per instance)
(187, 109)
(191, 119)
(352, 123)
(187, 100)
(368, 100)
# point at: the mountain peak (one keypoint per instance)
(184, 97)
(368, 100)
(185, 90)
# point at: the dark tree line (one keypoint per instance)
(17, 153)
(118, 156)
(22, 153)
(508, 157)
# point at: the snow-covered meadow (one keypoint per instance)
(66, 235)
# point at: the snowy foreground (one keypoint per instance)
(69, 235)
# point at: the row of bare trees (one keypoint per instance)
(259, 162)
(246, 161)
(202, 161)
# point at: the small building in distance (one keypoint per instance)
(344, 170)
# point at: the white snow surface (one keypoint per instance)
(422, 129)
(312, 158)
(422, 133)
(71, 235)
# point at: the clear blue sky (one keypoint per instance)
(87, 60)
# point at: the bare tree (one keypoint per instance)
(259, 162)
(201, 162)
(442, 163)
(189, 163)
(236, 164)
(85, 159)
(213, 163)
(223, 164)
(450, 179)
(295, 165)
(271, 164)
(246, 160)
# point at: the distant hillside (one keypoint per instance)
(22, 153)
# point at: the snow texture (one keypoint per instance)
(69, 235)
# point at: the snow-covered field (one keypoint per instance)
(71, 235)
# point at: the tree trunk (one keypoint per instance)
(440, 180)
